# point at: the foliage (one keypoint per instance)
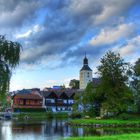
(113, 87)
(136, 83)
(40, 115)
(76, 115)
(63, 86)
(113, 137)
(88, 99)
(77, 102)
(9, 58)
(74, 84)
(117, 122)
(29, 110)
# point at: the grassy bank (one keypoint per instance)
(114, 137)
(39, 115)
(105, 122)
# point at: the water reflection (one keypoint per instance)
(52, 130)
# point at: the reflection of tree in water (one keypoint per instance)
(57, 128)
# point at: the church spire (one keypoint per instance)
(85, 61)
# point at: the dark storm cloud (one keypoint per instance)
(14, 13)
(64, 26)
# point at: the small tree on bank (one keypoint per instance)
(113, 87)
(88, 98)
(9, 59)
(84, 101)
(136, 84)
(74, 84)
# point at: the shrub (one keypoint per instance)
(29, 110)
(124, 116)
(76, 115)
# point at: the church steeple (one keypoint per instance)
(85, 64)
(85, 61)
(85, 74)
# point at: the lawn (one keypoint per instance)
(104, 122)
(40, 115)
(114, 137)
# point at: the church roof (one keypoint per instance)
(96, 81)
(86, 67)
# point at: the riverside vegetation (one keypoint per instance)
(39, 115)
(115, 137)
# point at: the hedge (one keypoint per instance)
(29, 110)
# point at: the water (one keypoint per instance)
(52, 130)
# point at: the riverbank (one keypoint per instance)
(104, 122)
(114, 137)
(39, 115)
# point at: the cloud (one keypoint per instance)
(14, 13)
(130, 48)
(48, 29)
(112, 9)
(110, 35)
(36, 28)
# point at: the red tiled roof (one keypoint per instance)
(28, 96)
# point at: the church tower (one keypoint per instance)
(85, 74)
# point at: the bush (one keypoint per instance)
(49, 115)
(76, 115)
(29, 110)
(124, 116)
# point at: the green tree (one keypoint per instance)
(77, 102)
(74, 84)
(88, 99)
(63, 86)
(9, 58)
(136, 83)
(113, 87)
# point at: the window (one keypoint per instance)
(88, 74)
(48, 101)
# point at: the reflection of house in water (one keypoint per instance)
(27, 127)
(58, 127)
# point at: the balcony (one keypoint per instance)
(58, 104)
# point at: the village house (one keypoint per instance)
(55, 100)
(24, 102)
(59, 100)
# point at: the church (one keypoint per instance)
(86, 75)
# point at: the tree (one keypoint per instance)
(63, 86)
(77, 102)
(113, 87)
(83, 101)
(88, 99)
(136, 83)
(9, 59)
(74, 84)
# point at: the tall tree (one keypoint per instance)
(88, 99)
(74, 84)
(136, 83)
(9, 59)
(113, 86)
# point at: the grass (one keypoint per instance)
(114, 137)
(40, 115)
(104, 122)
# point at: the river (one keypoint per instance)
(52, 130)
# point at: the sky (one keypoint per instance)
(55, 34)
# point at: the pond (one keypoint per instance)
(52, 130)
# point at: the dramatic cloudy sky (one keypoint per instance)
(56, 33)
